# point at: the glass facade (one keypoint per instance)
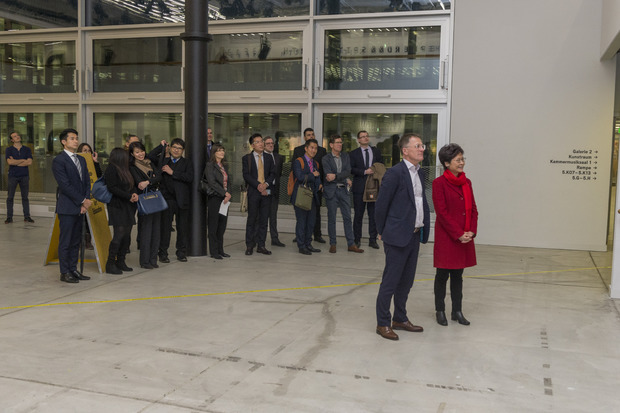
(38, 67)
(255, 61)
(382, 58)
(37, 14)
(379, 6)
(40, 132)
(252, 9)
(137, 64)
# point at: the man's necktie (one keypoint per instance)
(261, 170)
(367, 158)
(77, 164)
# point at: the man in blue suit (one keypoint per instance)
(73, 200)
(402, 216)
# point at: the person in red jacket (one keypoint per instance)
(456, 225)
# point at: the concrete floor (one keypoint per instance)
(290, 333)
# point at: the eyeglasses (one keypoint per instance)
(269, 143)
(177, 147)
(459, 160)
(417, 146)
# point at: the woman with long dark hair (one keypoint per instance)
(456, 225)
(86, 148)
(218, 182)
(149, 226)
(121, 209)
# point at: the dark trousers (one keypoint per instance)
(456, 288)
(216, 224)
(166, 229)
(23, 183)
(317, 218)
(358, 207)
(69, 241)
(340, 199)
(120, 242)
(305, 225)
(149, 234)
(273, 216)
(258, 215)
(398, 276)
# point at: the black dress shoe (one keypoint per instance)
(373, 244)
(164, 259)
(263, 250)
(68, 278)
(295, 240)
(304, 251)
(312, 249)
(182, 258)
(223, 254)
(155, 265)
(458, 316)
(28, 219)
(249, 251)
(8, 220)
(146, 266)
(277, 243)
(216, 256)
(319, 239)
(79, 275)
(441, 318)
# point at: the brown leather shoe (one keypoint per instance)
(332, 248)
(354, 248)
(406, 326)
(386, 332)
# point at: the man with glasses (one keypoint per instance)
(278, 161)
(337, 169)
(362, 159)
(403, 222)
(175, 186)
(209, 142)
(19, 157)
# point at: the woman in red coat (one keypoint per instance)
(455, 228)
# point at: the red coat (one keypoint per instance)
(449, 252)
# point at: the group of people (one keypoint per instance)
(399, 216)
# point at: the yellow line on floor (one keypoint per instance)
(278, 289)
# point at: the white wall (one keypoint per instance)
(610, 30)
(529, 87)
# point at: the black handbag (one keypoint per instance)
(151, 202)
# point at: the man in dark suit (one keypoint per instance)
(275, 190)
(403, 221)
(320, 153)
(177, 176)
(258, 173)
(73, 201)
(209, 142)
(362, 159)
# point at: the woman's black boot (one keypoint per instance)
(441, 318)
(458, 316)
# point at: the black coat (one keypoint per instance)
(120, 210)
(215, 179)
(178, 185)
(250, 172)
(358, 167)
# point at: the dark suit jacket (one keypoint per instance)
(177, 185)
(395, 210)
(250, 172)
(279, 162)
(304, 175)
(320, 153)
(215, 179)
(71, 189)
(329, 167)
(358, 166)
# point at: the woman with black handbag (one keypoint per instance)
(217, 182)
(146, 178)
(121, 209)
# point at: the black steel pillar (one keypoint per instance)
(196, 37)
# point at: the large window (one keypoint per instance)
(382, 58)
(252, 9)
(234, 129)
(42, 67)
(40, 132)
(37, 14)
(255, 61)
(137, 64)
(112, 130)
(378, 6)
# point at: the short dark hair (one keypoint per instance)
(308, 130)
(449, 152)
(254, 136)
(309, 141)
(178, 141)
(131, 136)
(360, 132)
(63, 135)
(134, 145)
(404, 140)
(12, 132)
(333, 138)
